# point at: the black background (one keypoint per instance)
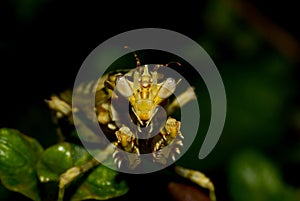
(42, 53)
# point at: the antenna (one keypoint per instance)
(172, 62)
(166, 65)
(138, 62)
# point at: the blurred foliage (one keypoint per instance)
(261, 87)
(252, 173)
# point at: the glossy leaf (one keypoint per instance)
(59, 158)
(18, 157)
(101, 184)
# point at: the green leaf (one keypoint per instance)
(101, 184)
(59, 158)
(18, 157)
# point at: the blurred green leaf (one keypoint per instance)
(18, 158)
(253, 176)
(219, 18)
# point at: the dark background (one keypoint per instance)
(254, 44)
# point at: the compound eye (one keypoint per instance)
(167, 88)
(123, 87)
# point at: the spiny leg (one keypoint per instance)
(170, 142)
(198, 178)
(127, 142)
(61, 109)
